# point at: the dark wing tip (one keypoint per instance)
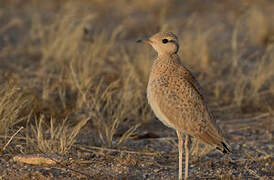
(225, 149)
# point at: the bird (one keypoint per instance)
(176, 98)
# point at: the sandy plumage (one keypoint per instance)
(175, 95)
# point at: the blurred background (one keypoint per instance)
(73, 76)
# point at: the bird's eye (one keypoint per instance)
(164, 41)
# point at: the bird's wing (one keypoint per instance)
(179, 99)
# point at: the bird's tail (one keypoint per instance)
(212, 137)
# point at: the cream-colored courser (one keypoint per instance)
(175, 97)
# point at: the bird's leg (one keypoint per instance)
(180, 147)
(186, 155)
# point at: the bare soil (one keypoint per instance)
(252, 157)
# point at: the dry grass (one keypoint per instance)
(54, 138)
(15, 106)
(76, 68)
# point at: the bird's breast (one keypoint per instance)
(153, 102)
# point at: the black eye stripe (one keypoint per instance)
(164, 41)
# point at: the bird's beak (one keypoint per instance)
(146, 40)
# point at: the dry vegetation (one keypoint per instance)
(72, 75)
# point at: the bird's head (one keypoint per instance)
(163, 43)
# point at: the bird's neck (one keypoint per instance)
(164, 64)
